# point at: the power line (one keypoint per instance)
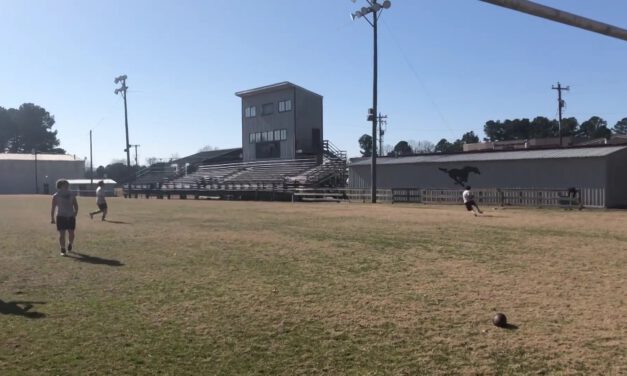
(419, 79)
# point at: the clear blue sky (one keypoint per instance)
(446, 67)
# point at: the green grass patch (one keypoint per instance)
(203, 287)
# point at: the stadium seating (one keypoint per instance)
(254, 174)
(154, 175)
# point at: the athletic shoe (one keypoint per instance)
(69, 247)
(63, 252)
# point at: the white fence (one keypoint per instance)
(585, 197)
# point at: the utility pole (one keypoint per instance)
(560, 105)
(382, 119)
(91, 161)
(135, 146)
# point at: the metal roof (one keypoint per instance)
(205, 155)
(270, 88)
(591, 152)
(40, 157)
(88, 181)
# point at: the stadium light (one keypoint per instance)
(375, 9)
(122, 89)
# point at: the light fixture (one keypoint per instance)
(120, 78)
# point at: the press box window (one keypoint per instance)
(283, 134)
(251, 138)
(267, 109)
(285, 106)
(250, 111)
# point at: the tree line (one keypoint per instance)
(28, 129)
(506, 130)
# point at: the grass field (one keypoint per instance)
(221, 288)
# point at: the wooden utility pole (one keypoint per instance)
(560, 105)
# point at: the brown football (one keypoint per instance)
(499, 320)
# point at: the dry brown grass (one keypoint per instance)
(279, 288)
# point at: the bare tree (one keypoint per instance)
(421, 147)
(208, 148)
(387, 149)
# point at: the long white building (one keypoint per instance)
(30, 173)
(601, 167)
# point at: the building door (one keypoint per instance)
(316, 140)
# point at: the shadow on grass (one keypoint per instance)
(509, 327)
(116, 222)
(93, 259)
(20, 309)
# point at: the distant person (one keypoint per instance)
(469, 201)
(66, 207)
(101, 202)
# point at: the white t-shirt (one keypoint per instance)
(100, 196)
(467, 196)
(65, 203)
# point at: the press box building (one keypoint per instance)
(281, 121)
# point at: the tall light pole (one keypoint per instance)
(122, 89)
(375, 9)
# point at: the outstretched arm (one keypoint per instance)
(54, 206)
(75, 205)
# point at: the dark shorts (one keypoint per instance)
(102, 206)
(66, 223)
(470, 204)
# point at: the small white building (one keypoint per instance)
(37, 173)
(87, 187)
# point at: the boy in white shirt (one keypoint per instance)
(469, 201)
(100, 201)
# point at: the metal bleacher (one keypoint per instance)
(254, 174)
(330, 173)
(154, 175)
(258, 180)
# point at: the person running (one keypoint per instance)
(469, 201)
(100, 201)
(66, 207)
